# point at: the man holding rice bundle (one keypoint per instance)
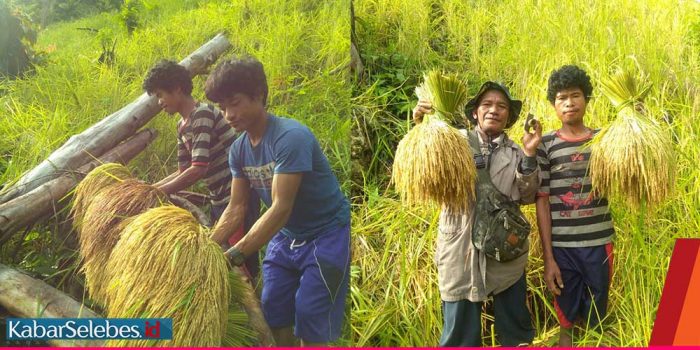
(307, 224)
(575, 226)
(466, 275)
(203, 141)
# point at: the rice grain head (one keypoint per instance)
(165, 265)
(95, 181)
(632, 159)
(103, 221)
(433, 162)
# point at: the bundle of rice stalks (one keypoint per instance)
(95, 181)
(103, 222)
(632, 157)
(165, 265)
(433, 162)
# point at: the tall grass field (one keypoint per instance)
(395, 299)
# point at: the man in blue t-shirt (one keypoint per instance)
(307, 225)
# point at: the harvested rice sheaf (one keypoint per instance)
(632, 157)
(103, 222)
(165, 265)
(433, 162)
(95, 181)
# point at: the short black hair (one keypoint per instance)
(569, 76)
(168, 75)
(243, 75)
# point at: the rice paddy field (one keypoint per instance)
(395, 299)
(304, 49)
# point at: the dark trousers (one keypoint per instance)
(462, 319)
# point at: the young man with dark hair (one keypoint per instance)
(575, 226)
(203, 141)
(203, 136)
(466, 276)
(307, 224)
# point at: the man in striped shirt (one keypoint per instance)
(575, 226)
(203, 136)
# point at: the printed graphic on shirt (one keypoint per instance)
(260, 177)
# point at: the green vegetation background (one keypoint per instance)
(394, 288)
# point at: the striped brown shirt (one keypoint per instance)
(579, 217)
(204, 139)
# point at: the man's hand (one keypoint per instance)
(552, 276)
(421, 109)
(532, 139)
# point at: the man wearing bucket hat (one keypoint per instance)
(467, 276)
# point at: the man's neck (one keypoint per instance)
(487, 136)
(574, 131)
(186, 107)
(257, 130)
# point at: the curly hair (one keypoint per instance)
(243, 75)
(168, 75)
(566, 77)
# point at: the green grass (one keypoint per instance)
(395, 295)
(303, 48)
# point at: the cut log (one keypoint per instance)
(187, 205)
(110, 131)
(42, 201)
(27, 297)
(195, 198)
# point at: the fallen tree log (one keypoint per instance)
(110, 131)
(42, 201)
(27, 297)
(189, 206)
(195, 198)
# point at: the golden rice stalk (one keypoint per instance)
(165, 265)
(448, 94)
(95, 181)
(103, 222)
(434, 163)
(632, 159)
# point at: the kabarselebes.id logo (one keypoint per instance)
(88, 328)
